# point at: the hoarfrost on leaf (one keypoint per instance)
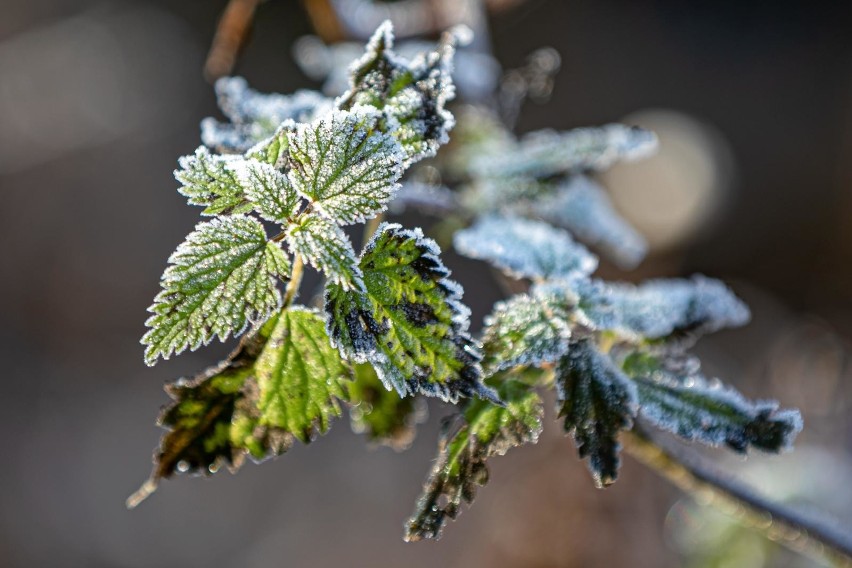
(324, 245)
(583, 208)
(208, 180)
(467, 441)
(675, 396)
(597, 401)
(219, 280)
(410, 324)
(412, 95)
(547, 153)
(344, 165)
(255, 116)
(268, 189)
(525, 330)
(524, 248)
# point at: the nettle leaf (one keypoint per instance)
(255, 116)
(665, 309)
(581, 206)
(525, 330)
(282, 384)
(410, 324)
(467, 441)
(675, 396)
(381, 414)
(548, 153)
(220, 280)
(525, 249)
(597, 401)
(268, 189)
(208, 180)
(299, 376)
(412, 95)
(344, 165)
(326, 247)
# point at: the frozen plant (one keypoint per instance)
(393, 326)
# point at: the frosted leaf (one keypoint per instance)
(436, 199)
(525, 330)
(410, 324)
(675, 396)
(220, 280)
(482, 431)
(208, 180)
(547, 153)
(667, 309)
(525, 249)
(268, 189)
(256, 116)
(324, 245)
(583, 208)
(597, 401)
(344, 165)
(412, 95)
(380, 414)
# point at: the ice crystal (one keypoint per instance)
(326, 247)
(209, 181)
(269, 190)
(219, 280)
(524, 248)
(344, 165)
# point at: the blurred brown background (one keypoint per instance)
(753, 101)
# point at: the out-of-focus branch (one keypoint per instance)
(231, 34)
(797, 531)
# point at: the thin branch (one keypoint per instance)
(793, 529)
(231, 34)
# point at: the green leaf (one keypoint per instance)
(268, 189)
(299, 376)
(220, 280)
(410, 323)
(412, 95)
(597, 401)
(675, 396)
(207, 180)
(282, 384)
(326, 247)
(344, 165)
(525, 330)
(467, 441)
(381, 414)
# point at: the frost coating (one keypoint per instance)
(327, 248)
(525, 330)
(344, 165)
(411, 95)
(268, 189)
(255, 116)
(547, 153)
(410, 324)
(524, 248)
(675, 396)
(209, 181)
(583, 208)
(219, 280)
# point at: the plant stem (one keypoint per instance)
(371, 226)
(295, 281)
(804, 534)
